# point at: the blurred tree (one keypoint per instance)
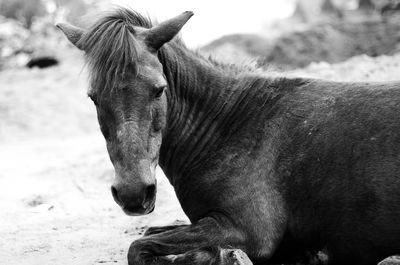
(72, 10)
(317, 10)
(24, 11)
(300, 13)
(389, 8)
(366, 5)
(328, 8)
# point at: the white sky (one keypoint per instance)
(214, 18)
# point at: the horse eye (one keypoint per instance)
(160, 91)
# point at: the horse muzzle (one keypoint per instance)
(135, 202)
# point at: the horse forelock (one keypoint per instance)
(111, 48)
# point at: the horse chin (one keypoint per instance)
(139, 212)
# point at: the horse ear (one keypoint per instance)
(73, 34)
(165, 31)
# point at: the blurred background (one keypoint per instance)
(56, 207)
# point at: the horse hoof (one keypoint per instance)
(235, 257)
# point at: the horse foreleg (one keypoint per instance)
(161, 229)
(205, 242)
(211, 256)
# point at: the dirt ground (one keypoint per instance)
(56, 207)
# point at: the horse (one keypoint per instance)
(265, 167)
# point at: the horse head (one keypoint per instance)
(128, 89)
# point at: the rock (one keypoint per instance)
(35, 200)
(42, 62)
(330, 42)
(390, 8)
(235, 257)
(394, 260)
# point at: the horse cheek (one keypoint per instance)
(159, 118)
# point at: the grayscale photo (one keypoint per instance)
(214, 132)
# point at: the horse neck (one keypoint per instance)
(195, 99)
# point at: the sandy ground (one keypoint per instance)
(56, 207)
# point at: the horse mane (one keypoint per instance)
(111, 48)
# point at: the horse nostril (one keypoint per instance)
(150, 193)
(114, 193)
